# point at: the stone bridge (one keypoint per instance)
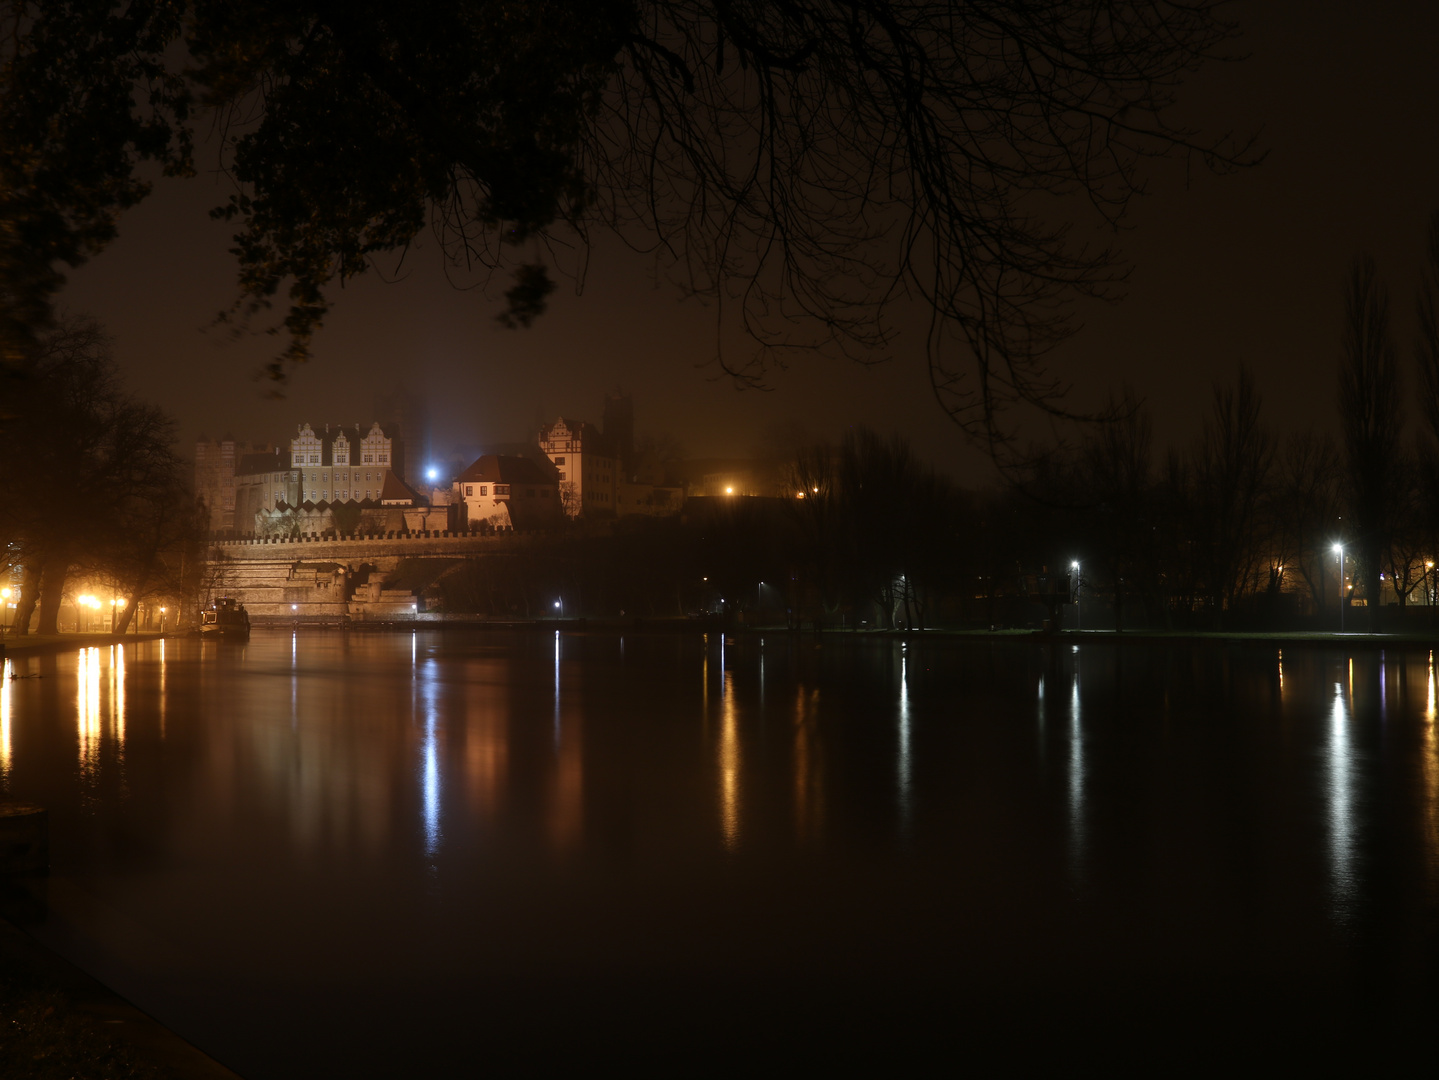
(336, 578)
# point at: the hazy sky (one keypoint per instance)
(1243, 267)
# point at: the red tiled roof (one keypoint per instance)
(502, 469)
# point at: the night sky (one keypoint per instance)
(1243, 267)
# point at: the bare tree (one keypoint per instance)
(812, 163)
(1308, 503)
(83, 465)
(1116, 466)
(1426, 359)
(1232, 466)
(1371, 413)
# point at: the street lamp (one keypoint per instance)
(162, 620)
(1078, 582)
(560, 606)
(1339, 550)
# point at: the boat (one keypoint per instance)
(226, 618)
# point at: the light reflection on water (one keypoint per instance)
(1343, 886)
(729, 760)
(5, 674)
(590, 805)
(903, 763)
(1076, 782)
(1429, 768)
(87, 709)
(430, 780)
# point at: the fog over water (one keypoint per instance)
(366, 854)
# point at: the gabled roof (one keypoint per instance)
(503, 469)
(397, 491)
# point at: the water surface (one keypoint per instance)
(379, 854)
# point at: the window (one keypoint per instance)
(502, 489)
(559, 461)
(484, 490)
(367, 493)
(369, 459)
(469, 489)
(562, 474)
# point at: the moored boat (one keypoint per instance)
(225, 617)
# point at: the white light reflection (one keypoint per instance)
(87, 708)
(117, 694)
(1341, 806)
(1076, 783)
(1429, 710)
(903, 763)
(557, 688)
(1281, 672)
(6, 671)
(430, 767)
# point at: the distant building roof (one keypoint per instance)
(503, 469)
(397, 491)
(590, 437)
(251, 464)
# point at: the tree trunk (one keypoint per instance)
(52, 594)
(29, 597)
(126, 613)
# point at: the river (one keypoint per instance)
(384, 854)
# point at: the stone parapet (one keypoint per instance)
(365, 548)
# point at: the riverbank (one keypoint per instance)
(61, 1024)
(37, 644)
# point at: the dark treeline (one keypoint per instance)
(93, 489)
(871, 536)
(1238, 529)
(1245, 526)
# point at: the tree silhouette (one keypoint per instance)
(1371, 414)
(812, 163)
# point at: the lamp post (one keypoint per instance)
(1339, 550)
(1078, 584)
(560, 607)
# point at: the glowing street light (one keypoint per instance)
(432, 474)
(729, 491)
(1339, 550)
(560, 606)
(1078, 582)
